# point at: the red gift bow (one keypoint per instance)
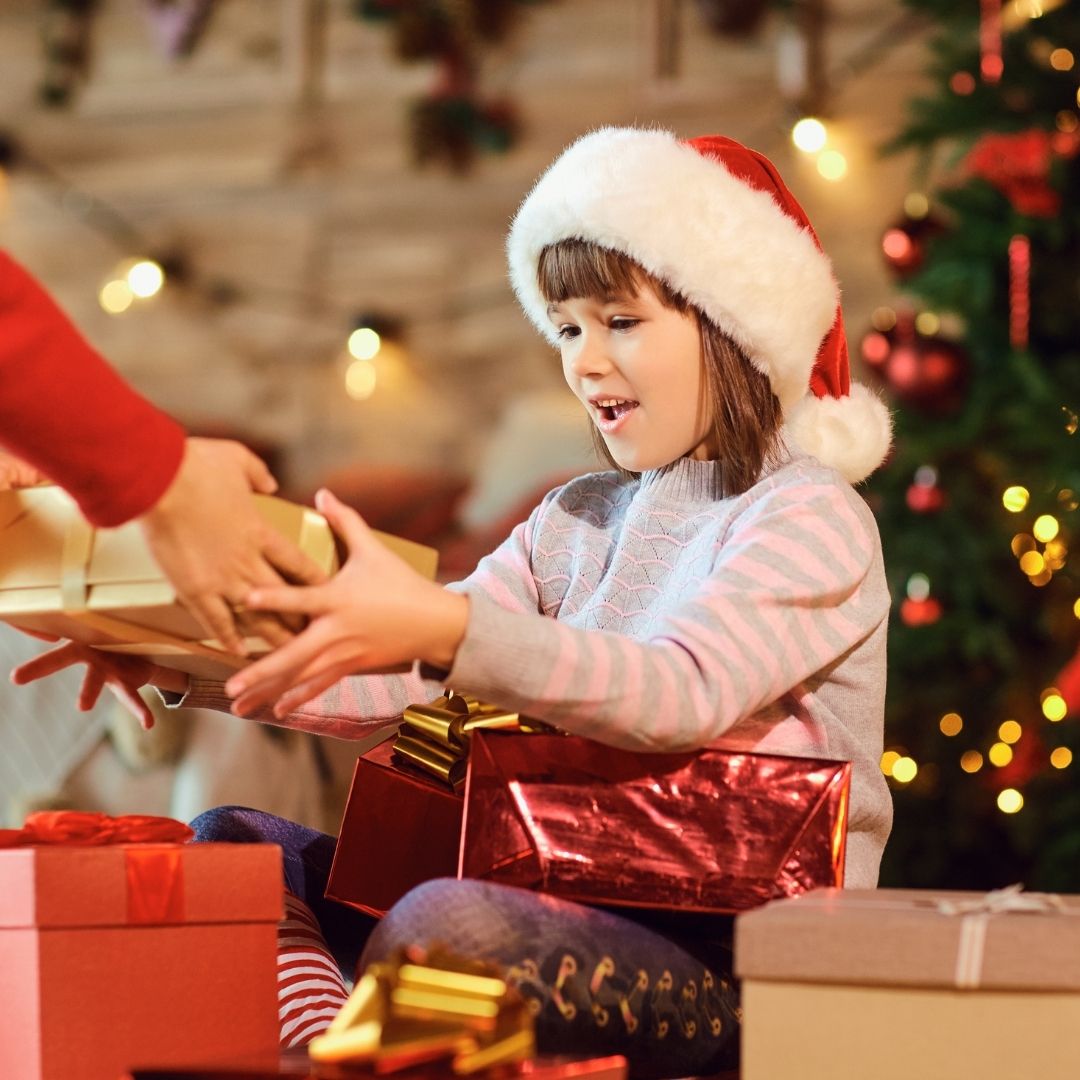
(91, 829)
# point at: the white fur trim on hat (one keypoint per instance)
(725, 246)
(852, 434)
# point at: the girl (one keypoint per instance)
(721, 585)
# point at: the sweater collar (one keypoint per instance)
(685, 481)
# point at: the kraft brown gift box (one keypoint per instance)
(399, 829)
(885, 985)
(122, 955)
(60, 575)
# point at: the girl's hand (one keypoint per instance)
(376, 612)
(123, 675)
(15, 473)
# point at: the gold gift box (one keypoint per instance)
(59, 575)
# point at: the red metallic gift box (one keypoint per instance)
(399, 829)
(708, 831)
(119, 955)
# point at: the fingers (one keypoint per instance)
(345, 521)
(217, 619)
(133, 702)
(289, 600)
(39, 634)
(92, 685)
(290, 561)
(258, 475)
(310, 688)
(48, 663)
(272, 674)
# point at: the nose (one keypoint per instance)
(586, 356)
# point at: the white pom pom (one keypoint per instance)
(852, 434)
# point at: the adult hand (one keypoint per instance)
(214, 546)
(376, 612)
(15, 473)
(123, 675)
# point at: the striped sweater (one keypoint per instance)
(655, 614)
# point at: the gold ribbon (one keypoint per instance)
(421, 1007)
(435, 737)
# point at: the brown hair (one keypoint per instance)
(744, 417)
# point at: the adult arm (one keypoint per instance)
(67, 413)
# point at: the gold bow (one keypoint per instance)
(420, 1007)
(435, 737)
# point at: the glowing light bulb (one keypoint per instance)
(1000, 754)
(145, 278)
(1062, 60)
(1061, 757)
(905, 770)
(364, 343)
(1010, 732)
(1032, 563)
(1054, 707)
(916, 205)
(888, 761)
(951, 724)
(1010, 801)
(360, 380)
(832, 165)
(927, 323)
(918, 587)
(1045, 528)
(884, 318)
(1022, 543)
(116, 296)
(1015, 498)
(809, 135)
(971, 761)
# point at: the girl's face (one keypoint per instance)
(636, 366)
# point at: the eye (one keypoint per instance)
(623, 323)
(566, 332)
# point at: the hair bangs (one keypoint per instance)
(581, 269)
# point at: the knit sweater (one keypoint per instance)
(653, 613)
(69, 414)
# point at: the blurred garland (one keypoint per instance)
(453, 120)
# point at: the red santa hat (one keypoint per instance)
(713, 219)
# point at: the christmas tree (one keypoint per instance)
(978, 506)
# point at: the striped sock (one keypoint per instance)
(310, 987)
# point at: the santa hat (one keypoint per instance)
(713, 220)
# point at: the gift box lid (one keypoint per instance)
(1005, 940)
(149, 884)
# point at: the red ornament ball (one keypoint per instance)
(904, 243)
(924, 371)
(920, 612)
(925, 499)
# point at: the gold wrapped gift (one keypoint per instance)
(59, 575)
(424, 1006)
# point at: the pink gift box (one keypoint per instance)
(128, 954)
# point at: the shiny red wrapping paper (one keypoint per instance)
(708, 831)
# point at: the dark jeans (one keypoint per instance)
(656, 989)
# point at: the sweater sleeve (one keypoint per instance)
(795, 586)
(70, 415)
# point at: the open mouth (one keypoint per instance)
(612, 409)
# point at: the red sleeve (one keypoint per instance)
(69, 414)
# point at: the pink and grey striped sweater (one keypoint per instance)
(655, 614)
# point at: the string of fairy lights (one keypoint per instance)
(1041, 549)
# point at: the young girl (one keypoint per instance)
(721, 585)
